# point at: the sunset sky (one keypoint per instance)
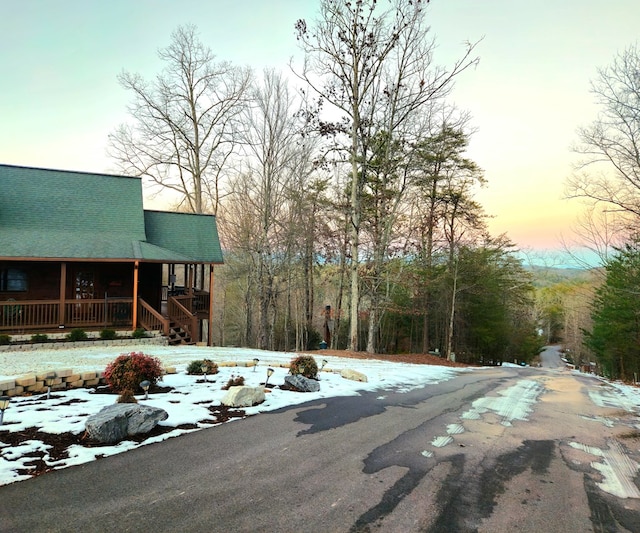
(59, 96)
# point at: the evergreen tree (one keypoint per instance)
(615, 336)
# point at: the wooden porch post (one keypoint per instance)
(210, 332)
(190, 280)
(135, 294)
(63, 291)
(186, 277)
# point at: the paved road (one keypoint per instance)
(495, 450)
(550, 357)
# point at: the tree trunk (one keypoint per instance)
(452, 313)
(355, 235)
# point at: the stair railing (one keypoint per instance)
(150, 319)
(182, 316)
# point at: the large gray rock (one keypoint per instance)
(115, 422)
(243, 396)
(301, 383)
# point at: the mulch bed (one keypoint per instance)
(59, 442)
(414, 358)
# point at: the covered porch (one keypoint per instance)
(133, 296)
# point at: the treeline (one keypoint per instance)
(344, 192)
(480, 308)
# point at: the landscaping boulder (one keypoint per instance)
(243, 396)
(353, 375)
(114, 423)
(301, 383)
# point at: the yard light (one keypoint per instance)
(48, 380)
(269, 374)
(255, 363)
(204, 369)
(144, 385)
(4, 403)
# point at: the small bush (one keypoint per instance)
(195, 367)
(139, 333)
(305, 365)
(126, 397)
(77, 334)
(129, 370)
(5, 339)
(108, 334)
(234, 382)
(39, 337)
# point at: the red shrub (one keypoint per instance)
(128, 370)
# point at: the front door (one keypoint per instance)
(84, 289)
(84, 285)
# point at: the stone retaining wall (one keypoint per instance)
(69, 379)
(53, 345)
(61, 380)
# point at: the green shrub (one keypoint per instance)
(305, 365)
(5, 339)
(195, 367)
(108, 334)
(139, 333)
(77, 334)
(39, 337)
(125, 374)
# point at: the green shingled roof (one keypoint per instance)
(187, 234)
(78, 215)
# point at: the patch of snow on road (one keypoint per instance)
(455, 429)
(591, 450)
(616, 396)
(441, 442)
(602, 419)
(617, 469)
(514, 403)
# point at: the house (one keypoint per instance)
(77, 250)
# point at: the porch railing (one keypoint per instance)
(21, 316)
(92, 313)
(201, 302)
(29, 314)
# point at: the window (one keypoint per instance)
(13, 280)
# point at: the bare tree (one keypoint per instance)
(268, 191)
(374, 69)
(609, 170)
(598, 232)
(181, 134)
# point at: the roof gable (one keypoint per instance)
(79, 215)
(188, 234)
(70, 201)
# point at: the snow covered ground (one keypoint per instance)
(187, 403)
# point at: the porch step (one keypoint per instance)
(177, 336)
